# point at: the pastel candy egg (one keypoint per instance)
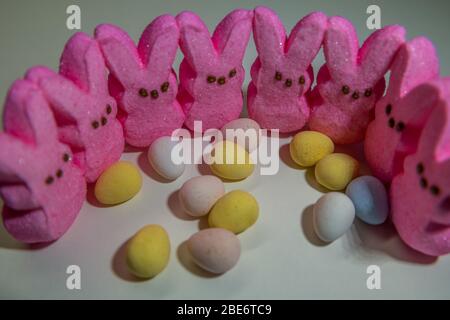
(336, 170)
(236, 211)
(243, 131)
(199, 194)
(160, 157)
(215, 250)
(308, 147)
(119, 183)
(148, 251)
(333, 216)
(370, 199)
(231, 161)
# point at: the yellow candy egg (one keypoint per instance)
(148, 251)
(231, 161)
(308, 147)
(336, 170)
(236, 211)
(119, 183)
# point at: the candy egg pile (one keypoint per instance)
(334, 212)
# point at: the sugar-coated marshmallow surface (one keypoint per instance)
(83, 109)
(211, 74)
(282, 74)
(42, 189)
(352, 79)
(142, 79)
(425, 225)
(401, 113)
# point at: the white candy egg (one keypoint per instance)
(333, 216)
(160, 157)
(199, 194)
(215, 250)
(244, 124)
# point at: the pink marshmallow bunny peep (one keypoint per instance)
(84, 110)
(420, 196)
(398, 113)
(352, 80)
(42, 189)
(211, 74)
(142, 79)
(282, 74)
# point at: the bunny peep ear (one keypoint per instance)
(306, 39)
(269, 35)
(82, 62)
(59, 91)
(28, 115)
(232, 34)
(341, 48)
(158, 45)
(378, 52)
(119, 52)
(415, 63)
(195, 41)
(435, 138)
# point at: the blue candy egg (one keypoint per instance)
(370, 199)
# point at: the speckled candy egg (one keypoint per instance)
(231, 161)
(308, 147)
(249, 128)
(199, 194)
(215, 250)
(160, 157)
(333, 216)
(370, 199)
(148, 251)
(119, 183)
(336, 170)
(236, 211)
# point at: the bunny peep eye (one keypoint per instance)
(143, 93)
(435, 191)
(278, 76)
(368, 93)
(104, 121)
(59, 173)
(355, 95)
(420, 168)
(66, 157)
(288, 83)
(232, 73)
(95, 124)
(49, 180)
(388, 109)
(165, 87)
(108, 109)
(423, 183)
(211, 79)
(221, 80)
(154, 94)
(400, 127)
(391, 123)
(345, 90)
(302, 80)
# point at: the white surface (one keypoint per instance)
(281, 257)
